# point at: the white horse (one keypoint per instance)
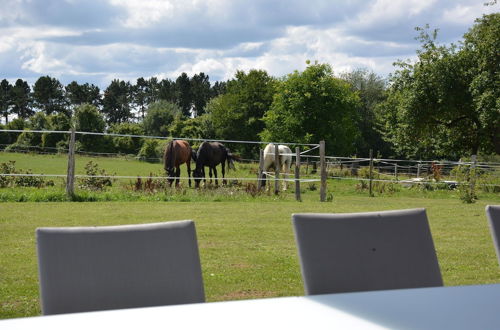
(285, 161)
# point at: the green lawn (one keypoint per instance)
(247, 248)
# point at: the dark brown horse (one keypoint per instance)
(177, 153)
(212, 154)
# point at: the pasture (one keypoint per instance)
(246, 242)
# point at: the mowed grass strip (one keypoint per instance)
(247, 248)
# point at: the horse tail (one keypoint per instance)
(168, 156)
(194, 156)
(231, 158)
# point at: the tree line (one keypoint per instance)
(445, 104)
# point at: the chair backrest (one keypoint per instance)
(97, 268)
(366, 251)
(493, 216)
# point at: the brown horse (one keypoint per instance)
(177, 152)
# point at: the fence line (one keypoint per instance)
(159, 137)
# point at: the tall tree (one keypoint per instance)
(5, 99)
(21, 99)
(167, 91)
(117, 102)
(77, 94)
(200, 90)
(371, 90)
(184, 100)
(314, 105)
(218, 88)
(140, 96)
(48, 95)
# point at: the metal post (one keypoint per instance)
(70, 177)
(261, 170)
(473, 176)
(297, 174)
(371, 172)
(396, 171)
(322, 192)
(418, 168)
(276, 169)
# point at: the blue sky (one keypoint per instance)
(97, 41)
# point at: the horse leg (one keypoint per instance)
(215, 174)
(285, 176)
(177, 175)
(189, 172)
(224, 182)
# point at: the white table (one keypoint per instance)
(461, 307)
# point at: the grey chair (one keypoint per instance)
(97, 268)
(493, 215)
(366, 251)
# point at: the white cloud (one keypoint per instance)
(127, 39)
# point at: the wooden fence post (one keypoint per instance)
(371, 172)
(297, 174)
(260, 170)
(322, 191)
(396, 171)
(418, 168)
(276, 169)
(70, 177)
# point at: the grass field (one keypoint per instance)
(247, 248)
(246, 243)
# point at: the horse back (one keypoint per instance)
(176, 153)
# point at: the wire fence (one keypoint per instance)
(402, 171)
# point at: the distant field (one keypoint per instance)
(123, 189)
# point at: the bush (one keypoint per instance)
(152, 150)
(98, 178)
(127, 145)
(20, 181)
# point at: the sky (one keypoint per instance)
(96, 41)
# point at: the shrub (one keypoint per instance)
(152, 150)
(97, 178)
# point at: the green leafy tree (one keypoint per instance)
(159, 117)
(21, 99)
(443, 105)
(314, 105)
(200, 127)
(127, 144)
(5, 99)
(15, 124)
(482, 45)
(56, 122)
(371, 90)
(87, 118)
(117, 102)
(237, 114)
